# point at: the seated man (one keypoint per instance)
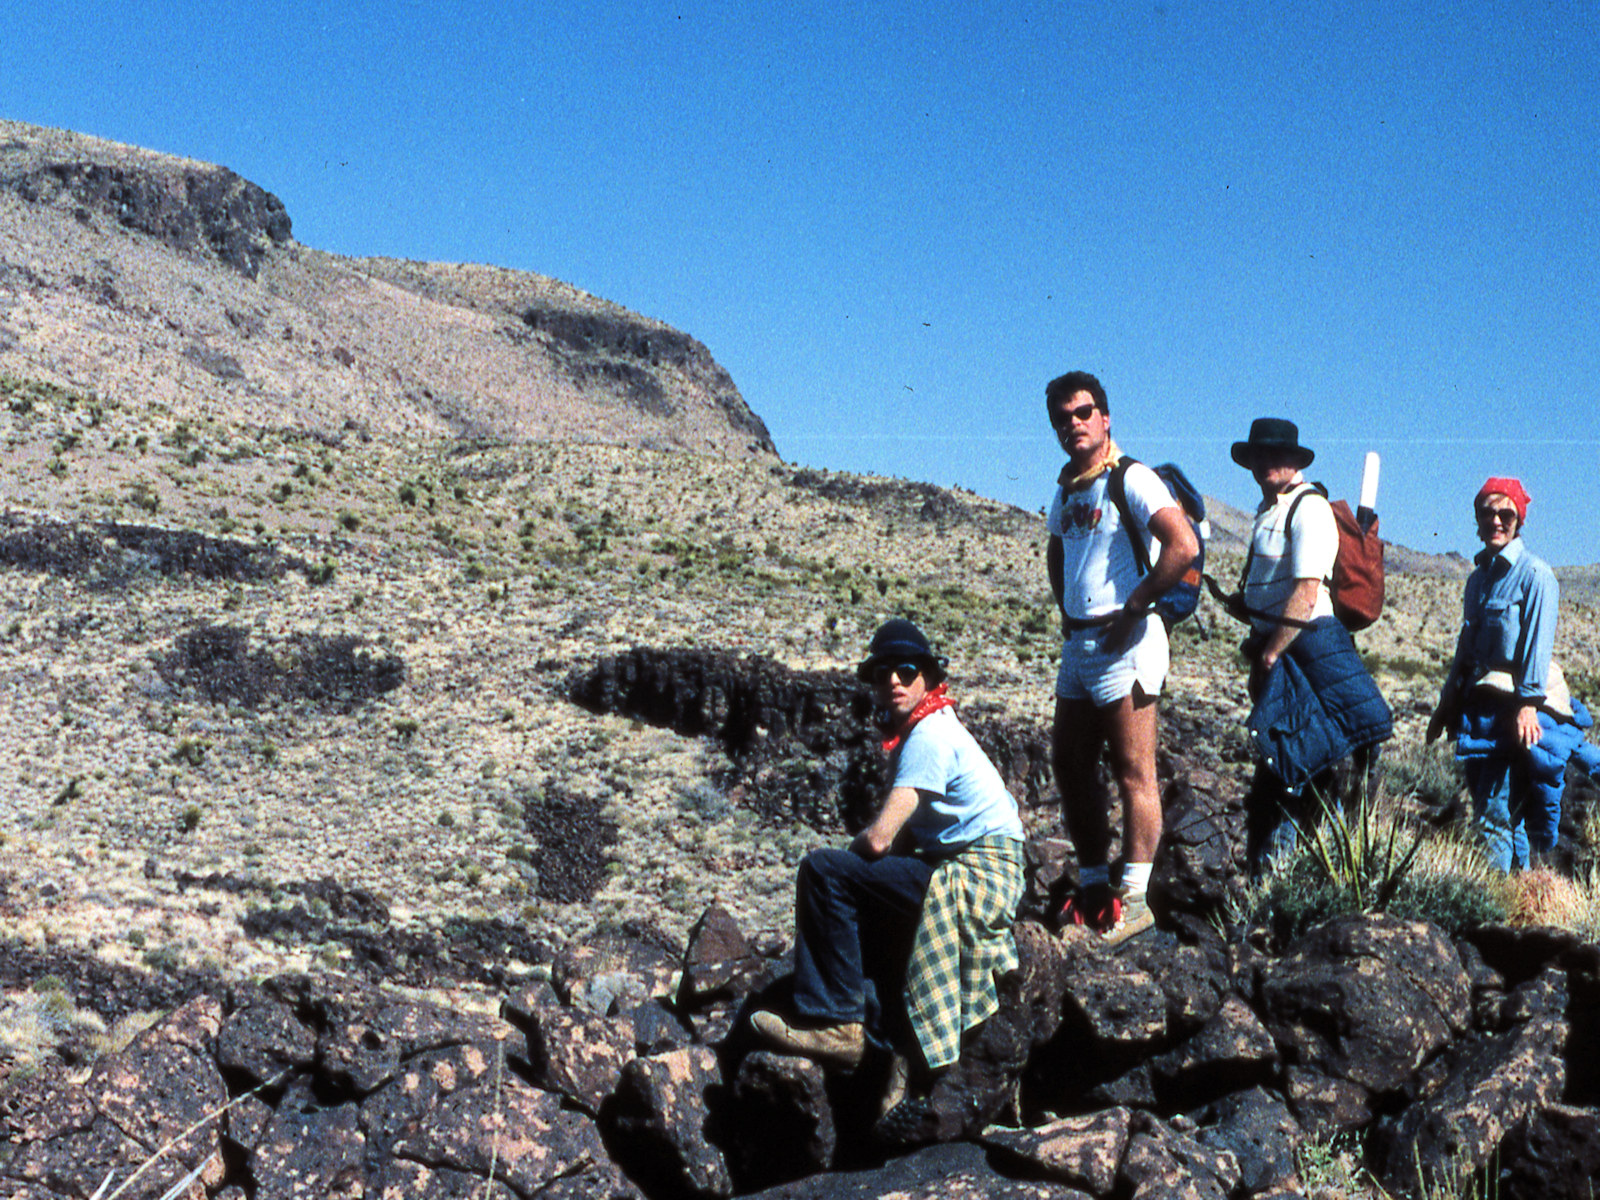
(911, 923)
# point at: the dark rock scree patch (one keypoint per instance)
(217, 662)
(572, 837)
(109, 553)
(804, 744)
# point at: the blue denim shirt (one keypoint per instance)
(1509, 620)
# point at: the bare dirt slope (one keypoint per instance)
(133, 274)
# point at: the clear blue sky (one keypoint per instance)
(893, 223)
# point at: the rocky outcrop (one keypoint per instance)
(1163, 1070)
(134, 274)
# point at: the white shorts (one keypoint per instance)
(1088, 672)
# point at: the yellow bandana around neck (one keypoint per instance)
(1108, 460)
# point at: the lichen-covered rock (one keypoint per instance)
(264, 1037)
(1193, 978)
(1084, 1152)
(720, 962)
(513, 1133)
(655, 1028)
(659, 1124)
(1257, 1128)
(310, 1150)
(402, 1179)
(1233, 1052)
(1325, 1105)
(1490, 1088)
(951, 1171)
(577, 1054)
(613, 972)
(1162, 1163)
(165, 1087)
(779, 1120)
(422, 1081)
(1368, 999)
(366, 1033)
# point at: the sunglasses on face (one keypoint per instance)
(903, 672)
(1081, 415)
(1502, 516)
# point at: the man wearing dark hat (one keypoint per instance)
(1303, 664)
(900, 938)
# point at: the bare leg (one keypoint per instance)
(1075, 742)
(1129, 729)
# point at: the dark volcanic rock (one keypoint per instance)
(338, 673)
(1554, 1151)
(1491, 1087)
(954, 1171)
(1258, 1130)
(658, 1127)
(193, 207)
(779, 1121)
(614, 971)
(1084, 1152)
(309, 1149)
(1367, 999)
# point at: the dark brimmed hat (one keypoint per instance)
(899, 641)
(1276, 434)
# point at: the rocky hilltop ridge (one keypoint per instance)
(124, 271)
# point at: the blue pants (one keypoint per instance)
(855, 920)
(1500, 792)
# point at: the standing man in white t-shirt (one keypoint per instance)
(1293, 545)
(1113, 656)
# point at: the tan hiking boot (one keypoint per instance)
(837, 1045)
(1133, 917)
(896, 1085)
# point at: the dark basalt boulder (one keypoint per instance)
(1490, 1087)
(1367, 999)
(779, 1122)
(658, 1126)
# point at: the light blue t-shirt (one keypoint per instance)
(968, 798)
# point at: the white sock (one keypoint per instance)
(1094, 876)
(1136, 877)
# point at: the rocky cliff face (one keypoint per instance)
(135, 274)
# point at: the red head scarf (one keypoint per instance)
(1511, 489)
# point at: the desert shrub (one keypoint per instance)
(1429, 775)
(1371, 860)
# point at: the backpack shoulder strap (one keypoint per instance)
(1294, 507)
(1117, 489)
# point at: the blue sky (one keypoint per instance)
(892, 223)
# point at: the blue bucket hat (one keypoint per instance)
(899, 641)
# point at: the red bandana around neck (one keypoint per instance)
(937, 698)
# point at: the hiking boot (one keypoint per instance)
(837, 1045)
(1133, 918)
(896, 1085)
(1097, 907)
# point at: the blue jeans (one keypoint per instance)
(855, 920)
(1499, 788)
(1272, 813)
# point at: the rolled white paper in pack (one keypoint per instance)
(1369, 482)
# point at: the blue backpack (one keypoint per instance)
(1178, 601)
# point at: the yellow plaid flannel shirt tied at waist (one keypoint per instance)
(963, 945)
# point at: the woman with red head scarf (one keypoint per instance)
(1501, 678)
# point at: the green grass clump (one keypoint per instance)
(1372, 860)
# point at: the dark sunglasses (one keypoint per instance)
(1080, 414)
(1505, 516)
(904, 672)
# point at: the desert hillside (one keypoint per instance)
(128, 273)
